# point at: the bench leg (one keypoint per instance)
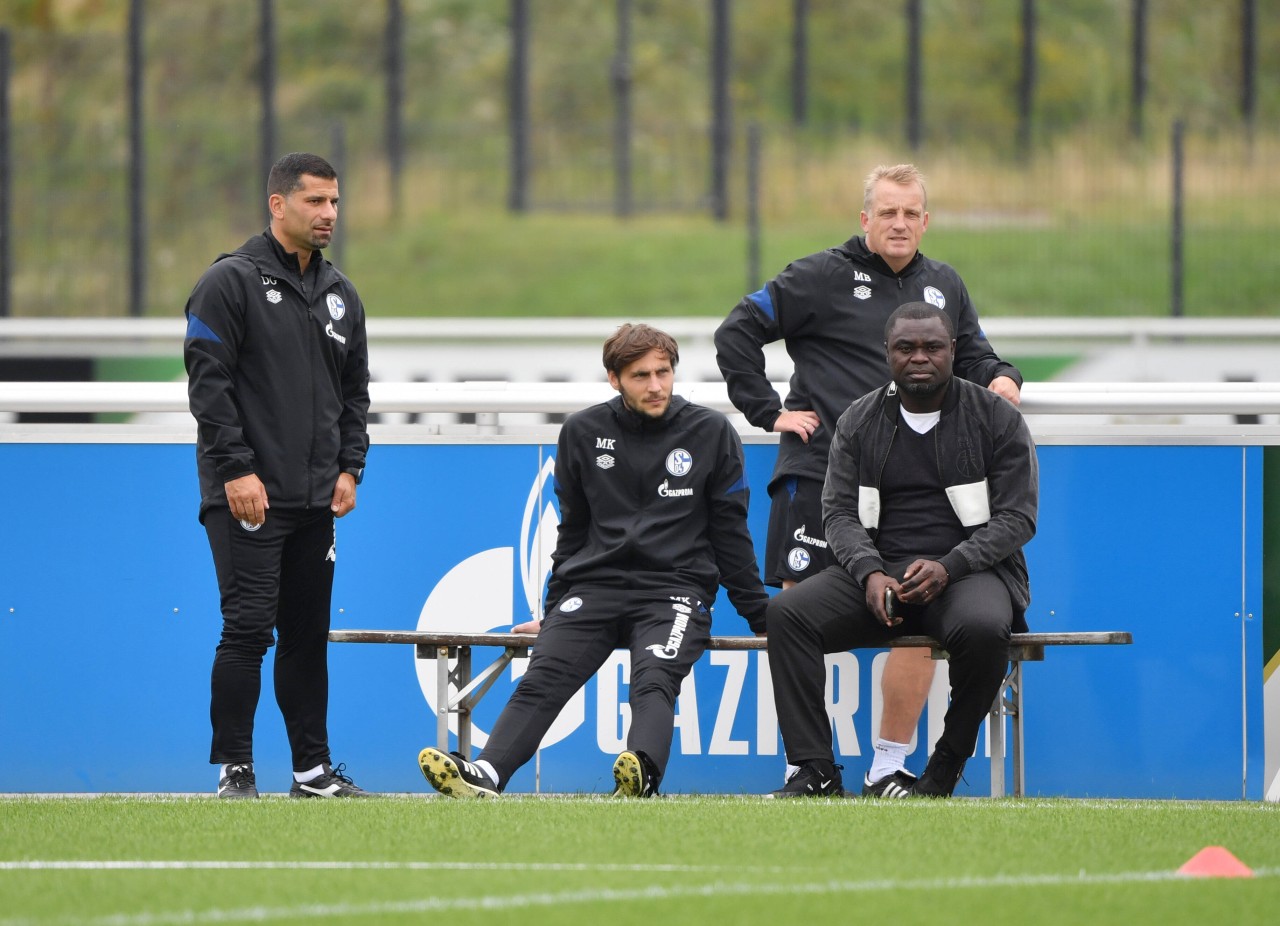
(1001, 708)
(995, 736)
(463, 710)
(442, 698)
(1019, 763)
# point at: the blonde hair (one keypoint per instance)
(898, 173)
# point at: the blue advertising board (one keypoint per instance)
(109, 618)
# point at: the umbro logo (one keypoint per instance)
(273, 296)
(604, 461)
(862, 292)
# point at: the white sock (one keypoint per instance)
(790, 772)
(484, 766)
(223, 771)
(890, 757)
(310, 774)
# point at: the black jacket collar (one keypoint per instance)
(892, 404)
(857, 251)
(638, 423)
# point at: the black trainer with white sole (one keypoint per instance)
(329, 783)
(454, 776)
(238, 782)
(813, 779)
(897, 785)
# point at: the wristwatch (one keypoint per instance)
(357, 471)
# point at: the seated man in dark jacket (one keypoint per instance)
(653, 516)
(931, 493)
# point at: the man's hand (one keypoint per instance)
(247, 498)
(877, 583)
(1004, 386)
(923, 581)
(527, 627)
(797, 422)
(344, 495)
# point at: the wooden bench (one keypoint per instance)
(1023, 647)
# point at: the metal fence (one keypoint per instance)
(383, 86)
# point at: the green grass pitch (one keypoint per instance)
(148, 861)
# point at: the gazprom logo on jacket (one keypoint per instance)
(337, 308)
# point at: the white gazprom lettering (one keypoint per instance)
(722, 741)
(666, 491)
(801, 536)
(676, 637)
(605, 443)
(726, 695)
(328, 329)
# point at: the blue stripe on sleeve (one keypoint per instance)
(764, 302)
(198, 329)
(739, 486)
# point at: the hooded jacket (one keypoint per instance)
(277, 375)
(830, 308)
(986, 460)
(654, 504)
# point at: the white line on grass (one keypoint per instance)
(237, 865)
(260, 914)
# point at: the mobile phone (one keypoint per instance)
(889, 602)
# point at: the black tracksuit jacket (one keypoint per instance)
(830, 308)
(654, 505)
(277, 375)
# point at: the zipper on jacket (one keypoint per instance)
(885, 460)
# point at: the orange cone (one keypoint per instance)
(1215, 862)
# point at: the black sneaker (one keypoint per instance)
(899, 784)
(453, 776)
(329, 783)
(238, 782)
(634, 776)
(941, 775)
(814, 779)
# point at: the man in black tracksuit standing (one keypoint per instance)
(829, 309)
(653, 516)
(278, 382)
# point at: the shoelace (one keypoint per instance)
(338, 774)
(239, 775)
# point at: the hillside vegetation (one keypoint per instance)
(1080, 224)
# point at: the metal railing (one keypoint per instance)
(99, 336)
(1116, 398)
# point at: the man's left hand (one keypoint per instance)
(344, 495)
(1005, 386)
(923, 581)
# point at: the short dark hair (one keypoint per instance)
(286, 173)
(919, 310)
(631, 342)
